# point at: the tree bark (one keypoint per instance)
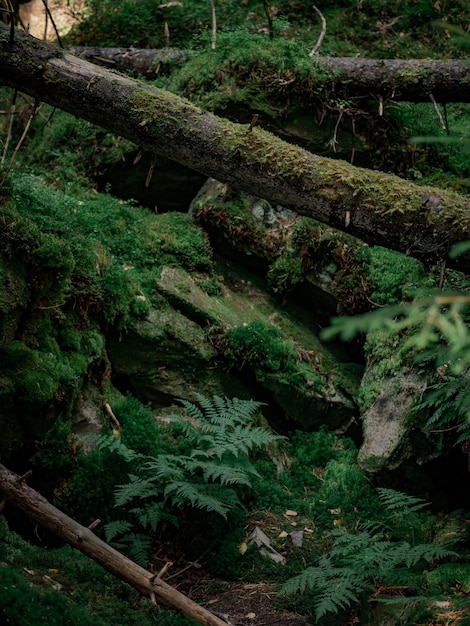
(14, 489)
(148, 63)
(379, 208)
(348, 77)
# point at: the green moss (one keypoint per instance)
(264, 349)
(447, 576)
(393, 276)
(296, 256)
(36, 584)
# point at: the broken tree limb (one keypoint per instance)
(15, 490)
(341, 77)
(379, 208)
(148, 63)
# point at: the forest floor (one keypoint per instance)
(239, 603)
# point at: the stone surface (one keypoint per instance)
(169, 355)
(386, 425)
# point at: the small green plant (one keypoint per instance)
(359, 563)
(221, 436)
(447, 404)
(263, 348)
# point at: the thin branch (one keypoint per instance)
(253, 122)
(438, 113)
(442, 274)
(167, 36)
(6, 7)
(20, 142)
(214, 25)
(11, 113)
(270, 19)
(49, 15)
(333, 141)
(316, 47)
(150, 172)
(94, 524)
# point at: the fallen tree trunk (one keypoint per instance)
(14, 489)
(378, 208)
(148, 63)
(343, 78)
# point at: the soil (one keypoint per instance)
(238, 603)
(250, 604)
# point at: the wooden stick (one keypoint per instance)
(14, 489)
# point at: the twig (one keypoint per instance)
(446, 121)
(253, 122)
(322, 33)
(94, 524)
(49, 15)
(11, 112)
(442, 274)
(438, 113)
(333, 141)
(270, 19)
(214, 25)
(25, 476)
(150, 172)
(179, 572)
(20, 142)
(167, 36)
(159, 575)
(7, 7)
(445, 430)
(109, 411)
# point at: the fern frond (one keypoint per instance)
(184, 493)
(399, 503)
(151, 515)
(138, 547)
(427, 551)
(165, 468)
(193, 411)
(137, 488)
(335, 587)
(115, 528)
(224, 474)
(115, 445)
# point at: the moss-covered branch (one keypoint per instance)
(379, 208)
(345, 78)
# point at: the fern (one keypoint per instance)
(222, 435)
(335, 587)
(448, 403)
(115, 528)
(138, 547)
(399, 503)
(140, 488)
(357, 563)
(224, 474)
(151, 515)
(195, 495)
(115, 445)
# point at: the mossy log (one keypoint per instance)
(379, 208)
(148, 63)
(344, 77)
(14, 489)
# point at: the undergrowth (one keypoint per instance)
(360, 563)
(63, 587)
